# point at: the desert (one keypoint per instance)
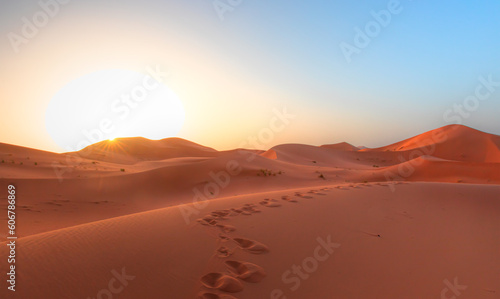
(304, 222)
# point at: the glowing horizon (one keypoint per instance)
(414, 67)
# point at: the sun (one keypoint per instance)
(108, 104)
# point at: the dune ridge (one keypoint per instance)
(174, 218)
(131, 175)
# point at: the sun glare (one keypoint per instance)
(113, 103)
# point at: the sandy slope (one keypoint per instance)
(130, 175)
(384, 244)
(453, 142)
(343, 146)
(132, 150)
(159, 209)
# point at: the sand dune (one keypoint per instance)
(125, 178)
(343, 146)
(188, 221)
(131, 150)
(453, 142)
(426, 168)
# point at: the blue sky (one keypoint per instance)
(265, 55)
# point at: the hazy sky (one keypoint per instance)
(366, 72)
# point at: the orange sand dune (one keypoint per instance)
(270, 154)
(187, 221)
(343, 146)
(453, 142)
(427, 168)
(125, 178)
(123, 150)
(307, 154)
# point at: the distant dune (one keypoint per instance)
(188, 221)
(343, 146)
(453, 142)
(137, 149)
(130, 175)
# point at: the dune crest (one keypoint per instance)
(174, 171)
(452, 142)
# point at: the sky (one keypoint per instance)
(366, 72)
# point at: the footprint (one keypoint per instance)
(298, 194)
(210, 220)
(226, 228)
(223, 251)
(246, 271)
(224, 237)
(287, 198)
(251, 246)
(221, 213)
(201, 221)
(249, 209)
(206, 221)
(235, 212)
(222, 282)
(270, 203)
(315, 192)
(214, 296)
(220, 217)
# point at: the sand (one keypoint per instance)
(137, 218)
